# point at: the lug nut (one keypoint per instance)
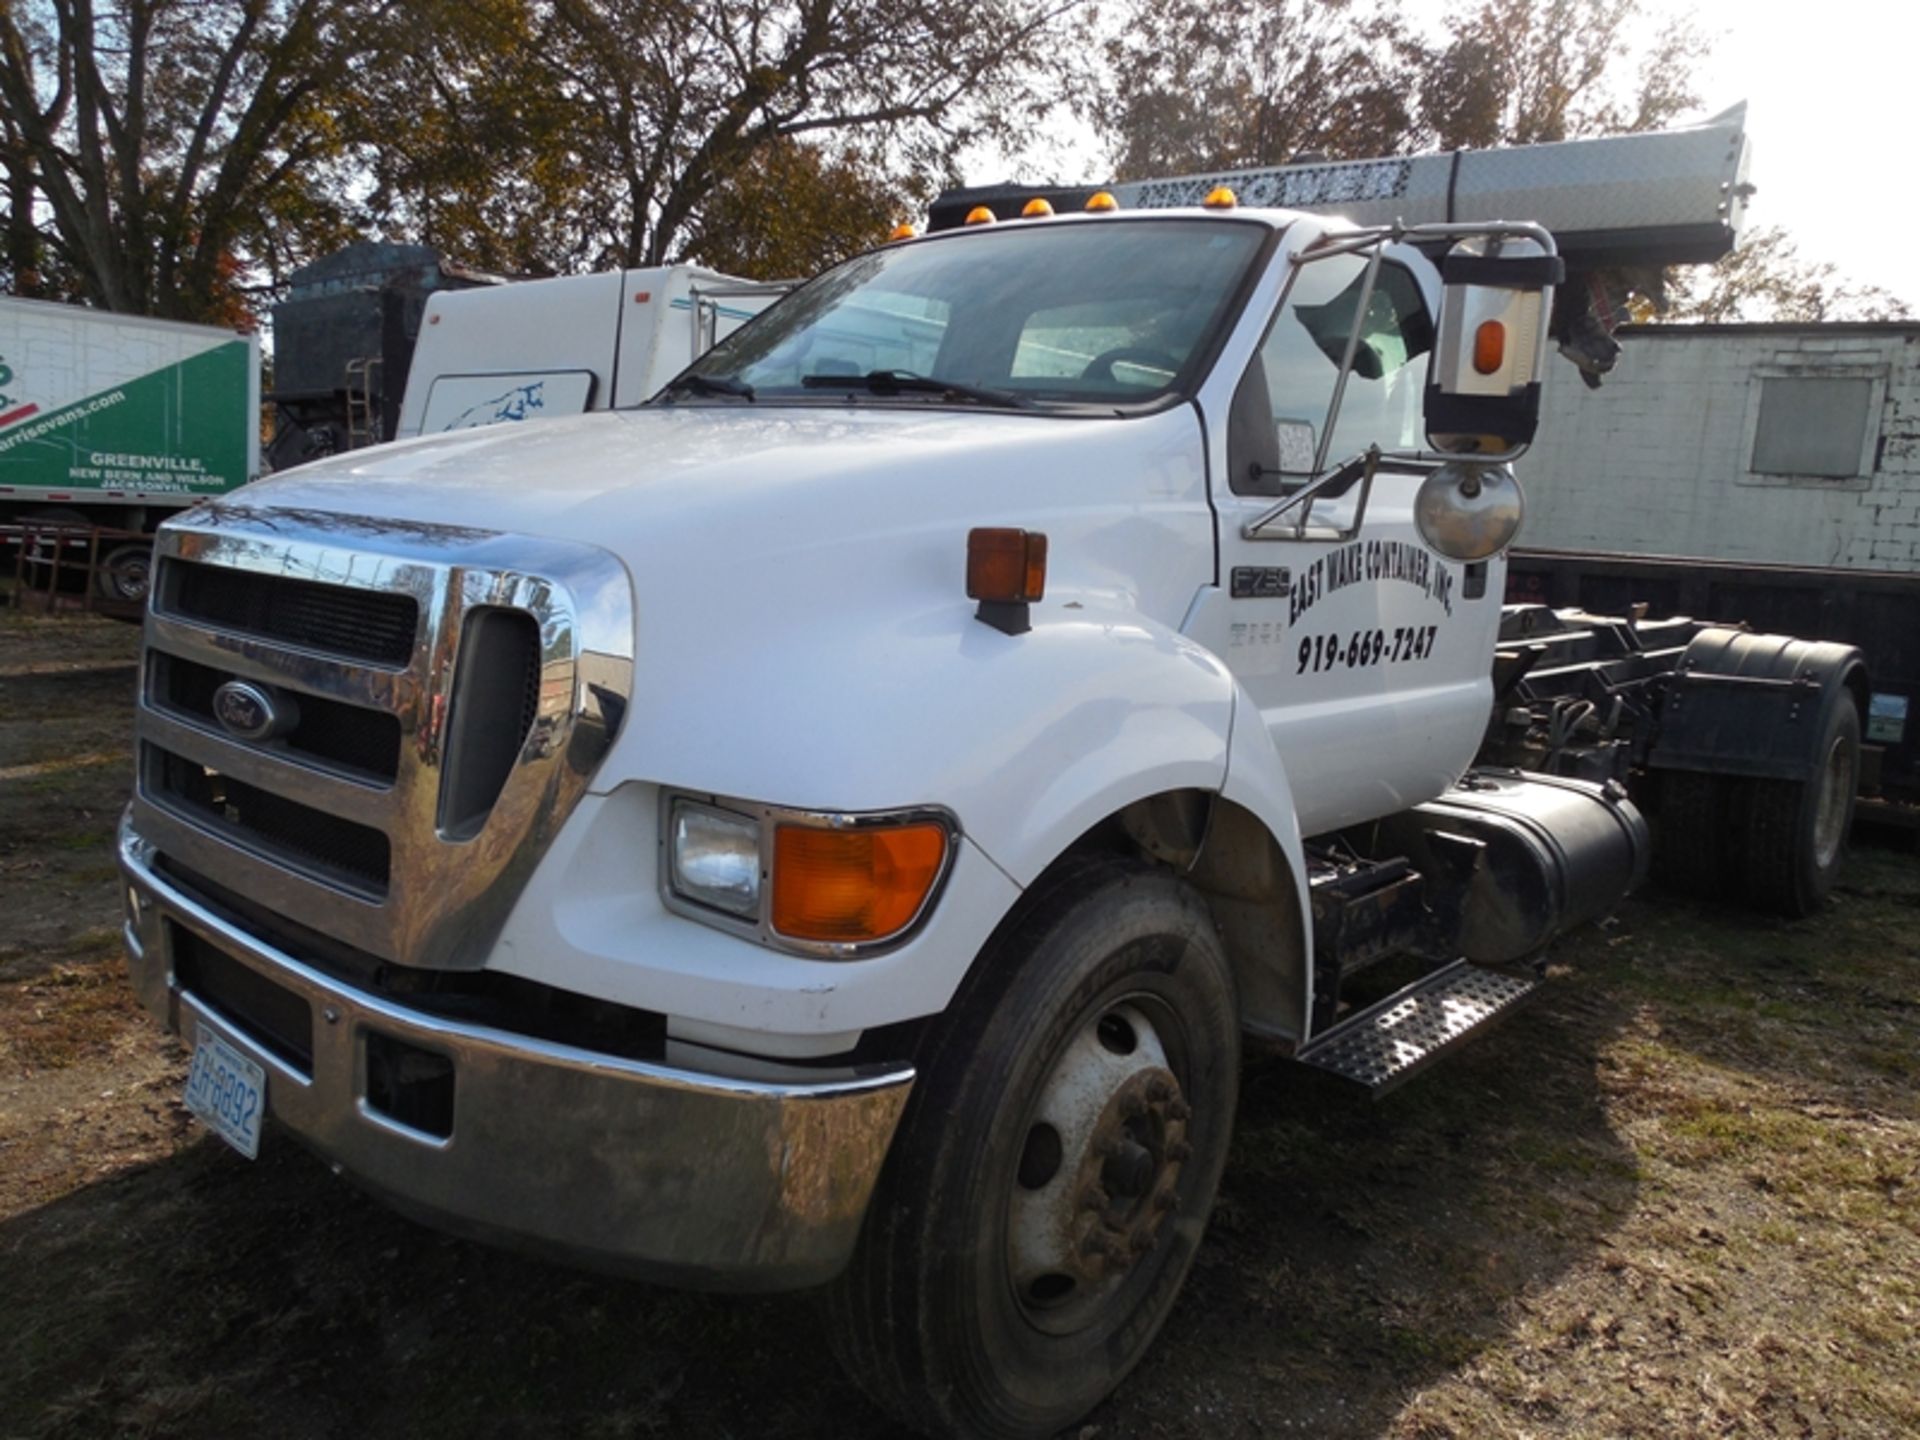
(1132, 1107)
(1159, 1088)
(1179, 1110)
(1094, 1199)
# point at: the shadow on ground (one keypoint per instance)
(1358, 1252)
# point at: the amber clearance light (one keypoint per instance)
(1489, 347)
(1006, 572)
(851, 887)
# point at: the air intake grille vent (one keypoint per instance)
(346, 737)
(376, 625)
(496, 698)
(356, 856)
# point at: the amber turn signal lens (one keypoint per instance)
(1489, 347)
(1006, 565)
(851, 886)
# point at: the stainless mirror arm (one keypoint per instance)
(1341, 242)
(1364, 465)
(1346, 360)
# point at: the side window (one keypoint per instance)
(1281, 404)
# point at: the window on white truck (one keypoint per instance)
(1300, 359)
(1815, 426)
(1114, 313)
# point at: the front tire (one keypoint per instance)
(1056, 1164)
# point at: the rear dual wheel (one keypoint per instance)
(1776, 845)
(1055, 1167)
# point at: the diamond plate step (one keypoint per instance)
(1389, 1042)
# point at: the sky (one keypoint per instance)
(1830, 89)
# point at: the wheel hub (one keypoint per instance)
(1101, 1165)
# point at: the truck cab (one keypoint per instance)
(834, 823)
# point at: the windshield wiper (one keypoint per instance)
(905, 382)
(713, 385)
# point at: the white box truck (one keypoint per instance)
(543, 349)
(119, 421)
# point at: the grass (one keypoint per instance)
(1678, 1196)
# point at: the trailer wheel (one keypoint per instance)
(1055, 1167)
(1690, 833)
(1790, 836)
(125, 572)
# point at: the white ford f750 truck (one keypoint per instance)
(833, 824)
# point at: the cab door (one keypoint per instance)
(1367, 654)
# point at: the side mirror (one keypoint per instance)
(1483, 395)
(1467, 511)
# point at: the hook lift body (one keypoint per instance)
(836, 825)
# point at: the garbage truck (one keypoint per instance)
(837, 828)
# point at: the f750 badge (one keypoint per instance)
(1261, 582)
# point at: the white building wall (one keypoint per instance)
(1658, 460)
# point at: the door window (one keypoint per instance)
(1281, 405)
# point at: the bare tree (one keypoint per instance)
(1767, 279)
(168, 146)
(631, 122)
(1195, 84)
(1527, 72)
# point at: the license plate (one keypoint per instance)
(228, 1092)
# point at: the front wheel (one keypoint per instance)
(1056, 1164)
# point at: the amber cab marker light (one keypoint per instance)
(1037, 208)
(853, 887)
(980, 215)
(902, 231)
(1220, 198)
(1101, 202)
(1006, 572)
(1489, 347)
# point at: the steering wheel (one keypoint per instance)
(1101, 366)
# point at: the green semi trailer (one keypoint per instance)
(117, 422)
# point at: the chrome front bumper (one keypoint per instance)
(754, 1180)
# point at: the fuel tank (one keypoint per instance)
(1540, 854)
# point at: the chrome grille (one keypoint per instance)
(409, 797)
(333, 619)
(357, 857)
(358, 741)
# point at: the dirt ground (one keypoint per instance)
(1678, 1196)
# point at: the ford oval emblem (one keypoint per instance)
(248, 711)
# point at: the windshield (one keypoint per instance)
(1108, 313)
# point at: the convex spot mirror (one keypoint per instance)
(1483, 394)
(1469, 512)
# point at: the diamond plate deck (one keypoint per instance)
(1388, 1042)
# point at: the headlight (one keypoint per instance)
(716, 858)
(823, 883)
